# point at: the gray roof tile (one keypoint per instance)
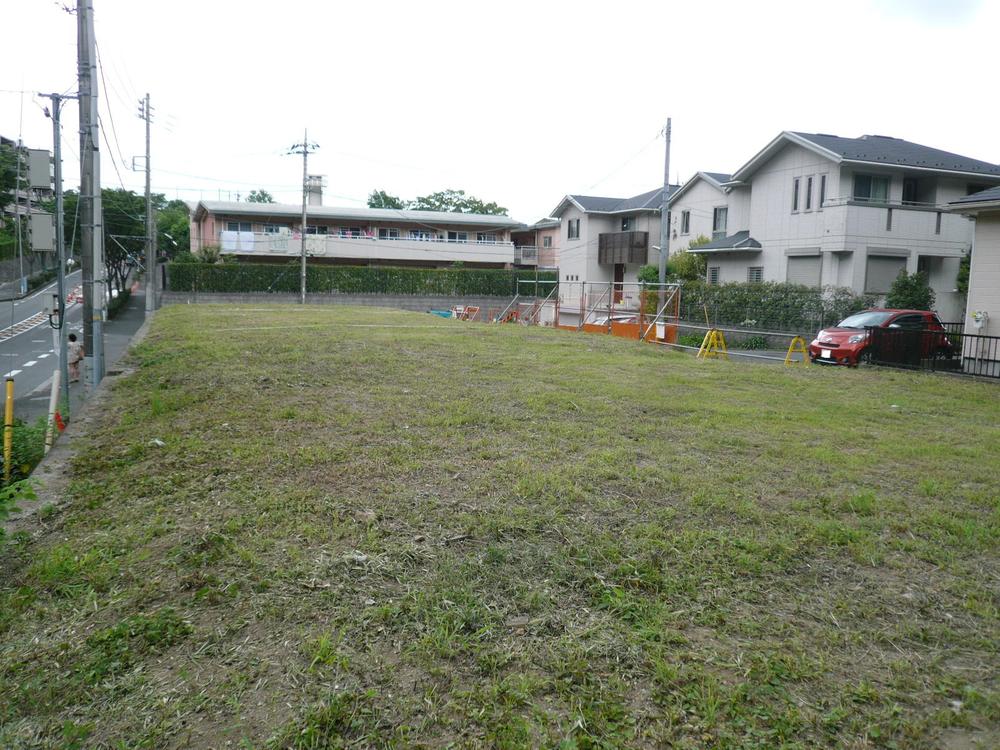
(642, 202)
(739, 241)
(896, 151)
(992, 194)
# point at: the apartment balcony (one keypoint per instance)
(366, 248)
(526, 255)
(622, 247)
(919, 227)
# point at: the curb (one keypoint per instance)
(54, 472)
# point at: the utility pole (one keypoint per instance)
(60, 243)
(146, 113)
(664, 212)
(91, 213)
(304, 148)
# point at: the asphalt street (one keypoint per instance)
(27, 346)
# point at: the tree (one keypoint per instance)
(382, 199)
(962, 279)
(910, 291)
(260, 196)
(456, 201)
(10, 159)
(173, 226)
(681, 266)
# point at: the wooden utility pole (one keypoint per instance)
(304, 148)
(146, 113)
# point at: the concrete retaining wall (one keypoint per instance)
(415, 303)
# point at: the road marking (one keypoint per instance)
(39, 341)
(32, 363)
(12, 373)
(42, 356)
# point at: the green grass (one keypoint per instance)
(369, 528)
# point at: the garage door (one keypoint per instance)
(804, 269)
(882, 271)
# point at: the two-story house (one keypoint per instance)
(608, 239)
(537, 243)
(823, 210)
(982, 315)
(702, 207)
(355, 236)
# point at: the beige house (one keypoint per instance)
(823, 210)
(982, 311)
(355, 236)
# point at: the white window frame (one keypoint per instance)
(421, 235)
(718, 211)
(486, 238)
(713, 275)
(809, 193)
(547, 241)
(796, 189)
(573, 229)
(872, 177)
(627, 223)
(273, 228)
(755, 275)
(822, 192)
(239, 226)
(388, 233)
(455, 236)
(685, 222)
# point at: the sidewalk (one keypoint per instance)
(117, 335)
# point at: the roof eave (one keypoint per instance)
(741, 174)
(941, 170)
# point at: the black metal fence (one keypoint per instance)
(949, 350)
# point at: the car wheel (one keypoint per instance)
(864, 357)
(945, 352)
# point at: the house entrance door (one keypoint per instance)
(619, 283)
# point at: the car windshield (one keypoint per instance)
(863, 319)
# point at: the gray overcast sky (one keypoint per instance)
(514, 102)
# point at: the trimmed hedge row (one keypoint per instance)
(247, 277)
(770, 305)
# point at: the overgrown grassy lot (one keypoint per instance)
(382, 529)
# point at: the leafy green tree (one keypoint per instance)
(260, 196)
(382, 199)
(910, 291)
(456, 201)
(173, 225)
(962, 279)
(10, 158)
(681, 266)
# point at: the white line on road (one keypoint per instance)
(42, 356)
(12, 373)
(32, 363)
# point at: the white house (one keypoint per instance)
(608, 239)
(822, 210)
(983, 308)
(702, 206)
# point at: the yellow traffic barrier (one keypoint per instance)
(713, 345)
(8, 430)
(797, 346)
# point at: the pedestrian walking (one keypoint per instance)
(74, 353)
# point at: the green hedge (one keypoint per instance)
(770, 305)
(322, 279)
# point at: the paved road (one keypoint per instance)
(28, 355)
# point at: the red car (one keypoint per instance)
(847, 343)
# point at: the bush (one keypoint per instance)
(910, 291)
(690, 339)
(28, 447)
(324, 279)
(770, 305)
(753, 343)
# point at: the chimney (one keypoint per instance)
(314, 189)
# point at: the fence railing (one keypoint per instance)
(935, 350)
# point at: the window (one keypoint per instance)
(822, 191)
(911, 186)
(272, 228)
(871, 188)
(573, 229)
(239, 226)
(420, 234)
(881, 271)
(685, 222)
(388, 233)
(713, 275)
(912, 322)
(488, 237)
(458, 236)
(350, 231)
(755, 274)
(937, 224)
(627, 223)
(795, 195)
(547, 241)
(804, 269)
(719, 217)
(809, 193)
(888, 220)
(972, 188)
(316, 230)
